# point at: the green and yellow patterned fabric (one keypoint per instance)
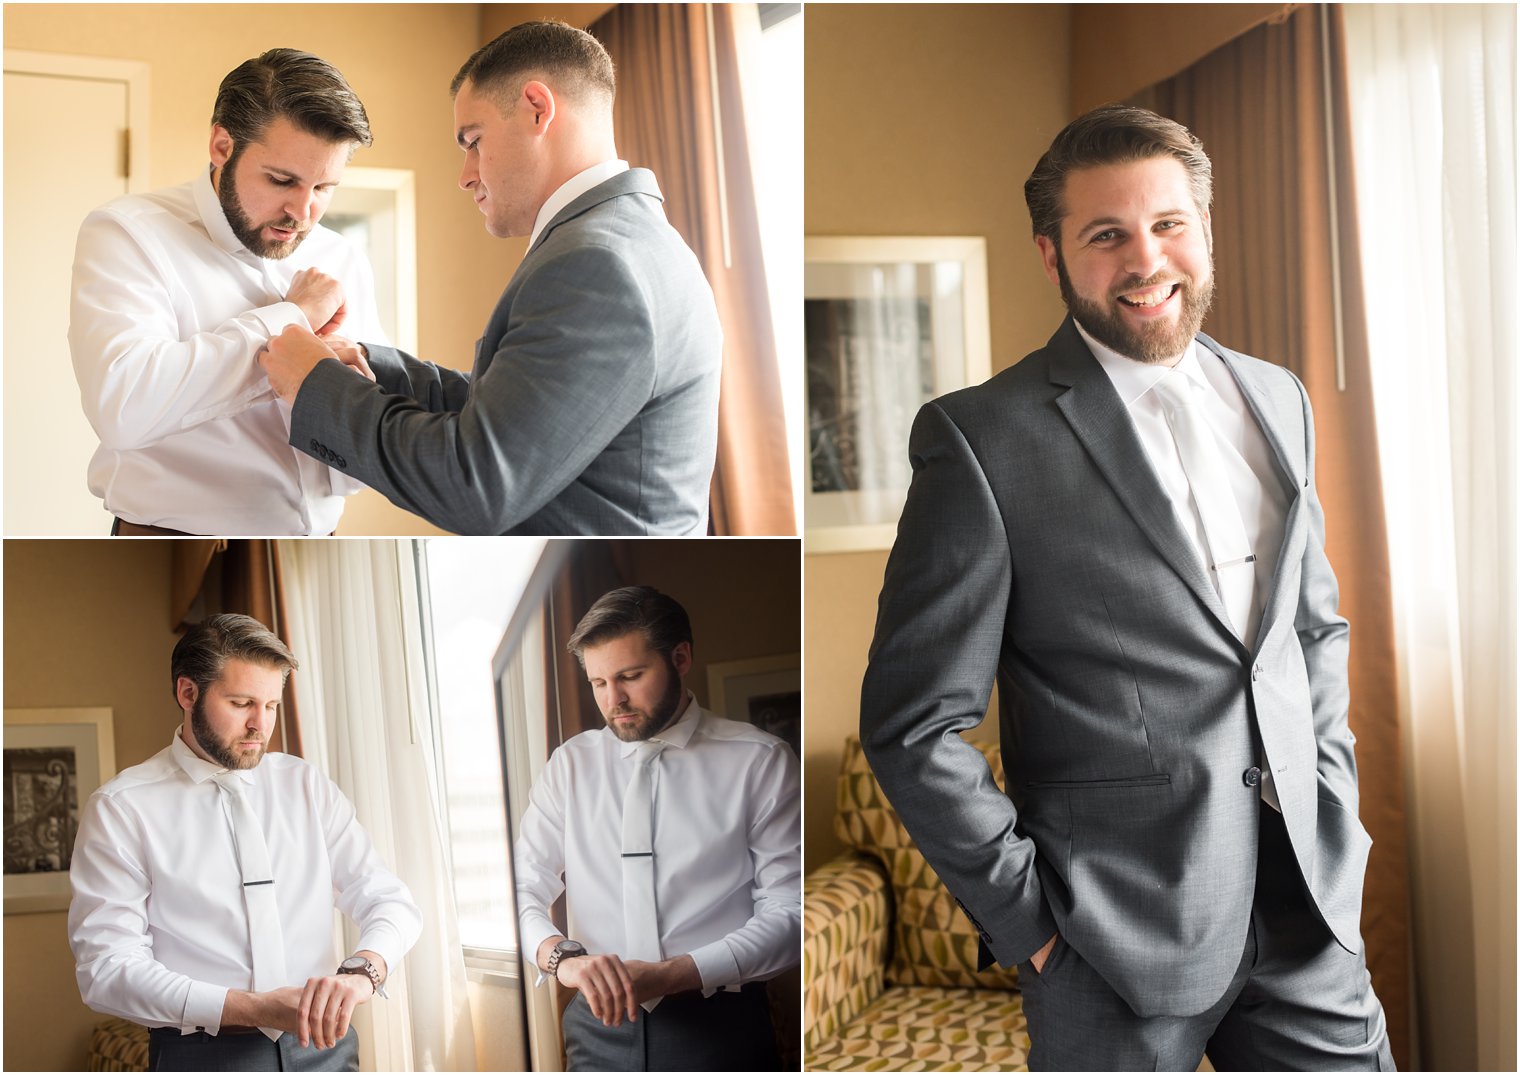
(914, 1028)
(117, 1045)
(934, 943)
(845, 921)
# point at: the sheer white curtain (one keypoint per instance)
(362, 694)
(1433, 115)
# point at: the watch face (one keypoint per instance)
(354, 963)
(571, 948)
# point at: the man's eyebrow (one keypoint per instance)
(641, 666)
(459, 135)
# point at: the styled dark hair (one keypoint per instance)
(308, 91)
(206, 648)
(662, 620)
(574, 60)
(1111, 134)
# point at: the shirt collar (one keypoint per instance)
(197, 768)
(678, 735)
(572, 189)
(210, 209)
(1132, 379)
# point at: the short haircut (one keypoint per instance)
(207, 646)
(660, 618)
(571, 59)
(310, 92)
(1111, 134)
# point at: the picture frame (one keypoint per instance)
(54, 759)
(763, 691)
(890, 322)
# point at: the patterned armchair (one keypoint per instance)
(889, 961)
(118, 1045)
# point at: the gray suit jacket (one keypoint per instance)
(1038, 546)
(593, 404)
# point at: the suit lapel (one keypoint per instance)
(1275, 412)
(1097, 416)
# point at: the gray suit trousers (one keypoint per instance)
(169, 1050)
(1298, 1002)
(686, 1032)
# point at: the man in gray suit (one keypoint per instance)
(1123, 528)
(593, 404)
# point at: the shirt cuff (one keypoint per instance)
(535, 930)
(385, 943)
(716, 966)
(276, 318)
(203, 1008)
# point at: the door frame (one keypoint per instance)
(133, 72)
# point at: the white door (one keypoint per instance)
(66, 152)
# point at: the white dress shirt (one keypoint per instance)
(158, 924)
(169, 313)
(727, 847)
(572, 189)
(1243, 451)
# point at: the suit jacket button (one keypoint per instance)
(1251, 776)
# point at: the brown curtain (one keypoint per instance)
(668, 120)
(1259, 105)
(593, 568)
(212, 577)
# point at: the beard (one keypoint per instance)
(1158, 342)
(248, 233)
(223, 752)
(653, 721)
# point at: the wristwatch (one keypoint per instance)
(562, 951)
(360, 965)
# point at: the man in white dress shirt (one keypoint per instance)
(175, 293)
(1123, 531)
(205, 881)
(592, 406)
(673, 835)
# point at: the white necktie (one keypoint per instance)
(641, 921)
(1227, 552)
(266, 941)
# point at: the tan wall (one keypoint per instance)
(498, 18)
(86, 624)
(922, 120)
(1119, 49)
(399, 58)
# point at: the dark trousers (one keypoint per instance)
(169, 1050)
(1298, 1002)
(686, 1032)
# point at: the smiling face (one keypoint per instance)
(229, 723)
(504, 157)
(275, 190)
(1135, 263)
(638, 689)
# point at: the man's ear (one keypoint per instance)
(539, 100)
(186, 692)
(221, 145)
(681, 658)
(1050, 257)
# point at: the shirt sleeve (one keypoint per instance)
(539, 861)
(108, 930)
(768, 943)
(140, 378)
(364, 889)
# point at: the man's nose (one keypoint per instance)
(301, 205)
(469, 175)
(1146, 256)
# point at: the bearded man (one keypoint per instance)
(674, 836)
(176, 292)
(205, 881)
(1123, 530)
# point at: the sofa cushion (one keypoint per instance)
(934, 944)
(845, 926)
(912, 1028)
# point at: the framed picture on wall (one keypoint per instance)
(890, 324)
(765, 691)
(54, 759)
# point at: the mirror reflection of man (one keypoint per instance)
(176, 291)
(674, 836)
(205, 881)
(1123, 530)
(592, 406)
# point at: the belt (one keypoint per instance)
(122, 528)
(225, 1031)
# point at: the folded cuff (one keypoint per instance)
(715, 965)
(203, 1008)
